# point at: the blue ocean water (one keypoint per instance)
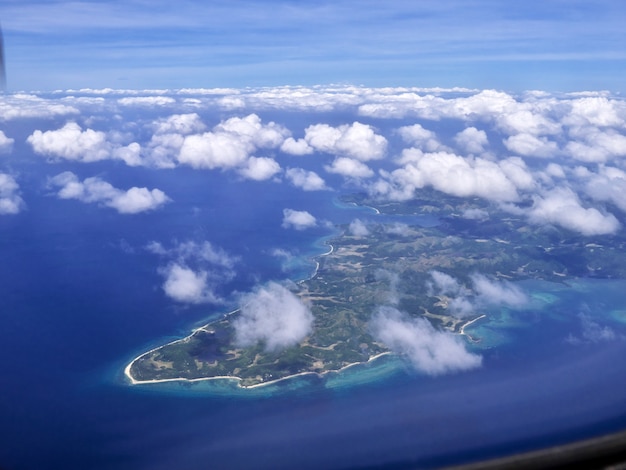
(81, 297)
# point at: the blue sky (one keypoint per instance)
(553, 45)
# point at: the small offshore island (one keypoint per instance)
(354, 278)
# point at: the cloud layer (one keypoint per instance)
(555, 159)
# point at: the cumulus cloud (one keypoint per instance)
(518, 173)
(307, 180)
(607, 185)
(6, 143)
(230, 143)
(595, 111)
(350, 168)
(529, 145)
(180, 124)
(472, 140)
(421, 138)
(356, 141)
(594, 145)
(298, 220)
(358, 229)
(273, 316)
(260, 168)
(10, 200)
(429, 350)
(186, 285)
(96, 190)
(296, 147)
(71, 142)
(214, 150)
(194, 270)
(448, 173)
(561, 206)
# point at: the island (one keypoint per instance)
(394, 256)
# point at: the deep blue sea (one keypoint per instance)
(81, 296)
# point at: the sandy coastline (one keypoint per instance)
(134, 381)
(462, 330)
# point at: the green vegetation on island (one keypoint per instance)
(388, 260)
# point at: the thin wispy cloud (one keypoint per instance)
(429, 350)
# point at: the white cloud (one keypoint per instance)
(562, 207)
(429, 350)
(259, 169)
(350, 168)
(522, 120)
(443, 284)
(194, 252)
(462, 301)
(6, 143)
(608, 185)
(358, 141)
(358, 229)
(448, 173)
(274, 316)
(595, 111)
(296, 147)
(194, 270)
(517, 172)
(147, 101)
(307, 180)
(21, 106)
(96, 190)
(10, 200)
(180, 124)
(472, 140)
(421, 138)
(595, 145)
(530, 145)
(298, 220)
(72, 143)
(136, 200)
(252, 130)
(214, 150)
(498, 292)
(186, 285)
(230, 143)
